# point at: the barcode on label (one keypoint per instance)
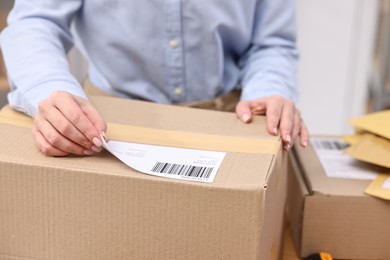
(329, 144)
(188, 171)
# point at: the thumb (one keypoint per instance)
(243, 111)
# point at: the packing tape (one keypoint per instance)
(163, 137)
(13, 117)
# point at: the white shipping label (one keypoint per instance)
(337, 164)
(386, 184)
(169, 162)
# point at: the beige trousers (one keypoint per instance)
(225, 102)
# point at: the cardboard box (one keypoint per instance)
(334, 215)
(98, 208)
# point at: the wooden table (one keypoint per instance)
(289, 252)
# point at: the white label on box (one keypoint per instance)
(337, 164)
(169, 162)
(386, 184)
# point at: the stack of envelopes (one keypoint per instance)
(372, 144)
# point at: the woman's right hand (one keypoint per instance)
(66, 124)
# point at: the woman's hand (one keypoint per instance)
(281, 114)
(66, 124)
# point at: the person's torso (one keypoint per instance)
(166, 50)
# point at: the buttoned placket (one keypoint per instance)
(175, 49)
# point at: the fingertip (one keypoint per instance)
(272, 130)
(288, 138)
(275, 131)
(96, 149)
(288, 142)
(304, 135)
(304, 139)
(273, 125)
(243, 111)
(245, 117)
(88, 152)
(287, 147)
(97, 142)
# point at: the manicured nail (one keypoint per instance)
(97, 142)
(287, 147)
(104, 135)
(275, 131)
(304, 144)
(288, 139)
(96, 149)
(88, 152)
(245, 117)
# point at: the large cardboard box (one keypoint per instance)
(98, 208)
(332, 214)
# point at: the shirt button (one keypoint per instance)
(178, 91)
(173, 44)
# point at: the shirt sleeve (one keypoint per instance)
(34, 45)
(269, 65)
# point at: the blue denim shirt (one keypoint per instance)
(167, 51)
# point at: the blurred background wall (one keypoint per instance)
(336, 40)
(343, 70)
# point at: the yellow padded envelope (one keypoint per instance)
(376, 123)
(371, 148)
(373, 143)
(377, 187)
(352, 139)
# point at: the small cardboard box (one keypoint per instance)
(98, 208)
(334, 215)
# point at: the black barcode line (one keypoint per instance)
(183, 170)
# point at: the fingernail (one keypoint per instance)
(304, 144)
(275, 131)
(88, 152)
(287, 147)
(104, 135)
(288, 139)
(97, 142)
(245, 117)
(96, 149)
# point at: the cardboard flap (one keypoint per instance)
(186, 128)
(177, 118)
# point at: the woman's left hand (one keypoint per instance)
(281, 115)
